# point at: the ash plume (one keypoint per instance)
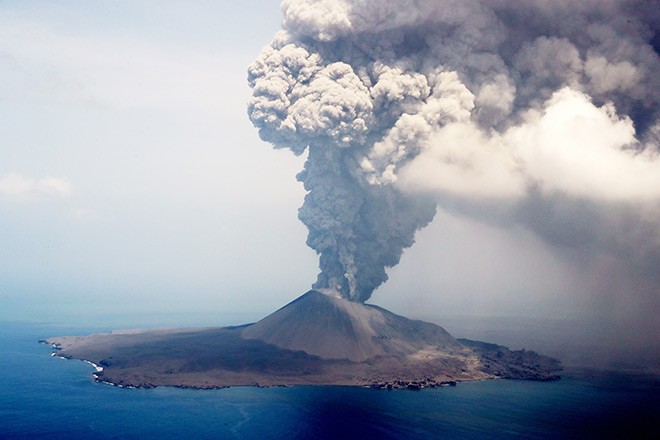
(493, 108)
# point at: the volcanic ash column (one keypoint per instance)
(401, 105)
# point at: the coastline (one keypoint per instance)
(220, 358)
(394, 385)
(313, 340)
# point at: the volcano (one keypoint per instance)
(316, 339)
(334, 328)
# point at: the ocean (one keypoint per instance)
(45, 397)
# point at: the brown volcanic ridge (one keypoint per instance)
(314, 340)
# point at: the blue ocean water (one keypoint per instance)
(44, 397)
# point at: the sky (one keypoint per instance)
(133, 183)
(130, 176)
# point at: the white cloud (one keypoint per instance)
(579, 149)
(18, 187)
(570, 146)
(462, 161)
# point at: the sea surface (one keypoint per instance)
(45, 397)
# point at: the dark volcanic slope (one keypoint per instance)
(333, 328)
(314, 340)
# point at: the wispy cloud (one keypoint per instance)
(19, 187)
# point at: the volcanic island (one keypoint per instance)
(317, 339)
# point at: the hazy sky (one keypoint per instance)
(130, 176)
(132, 181)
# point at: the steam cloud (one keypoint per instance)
(502, 110)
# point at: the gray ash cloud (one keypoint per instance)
(525, 107)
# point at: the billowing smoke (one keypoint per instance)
(498, 109)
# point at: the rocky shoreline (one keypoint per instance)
(412, 385)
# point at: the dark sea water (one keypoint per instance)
(48, 397)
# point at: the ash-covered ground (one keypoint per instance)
(316, 339)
